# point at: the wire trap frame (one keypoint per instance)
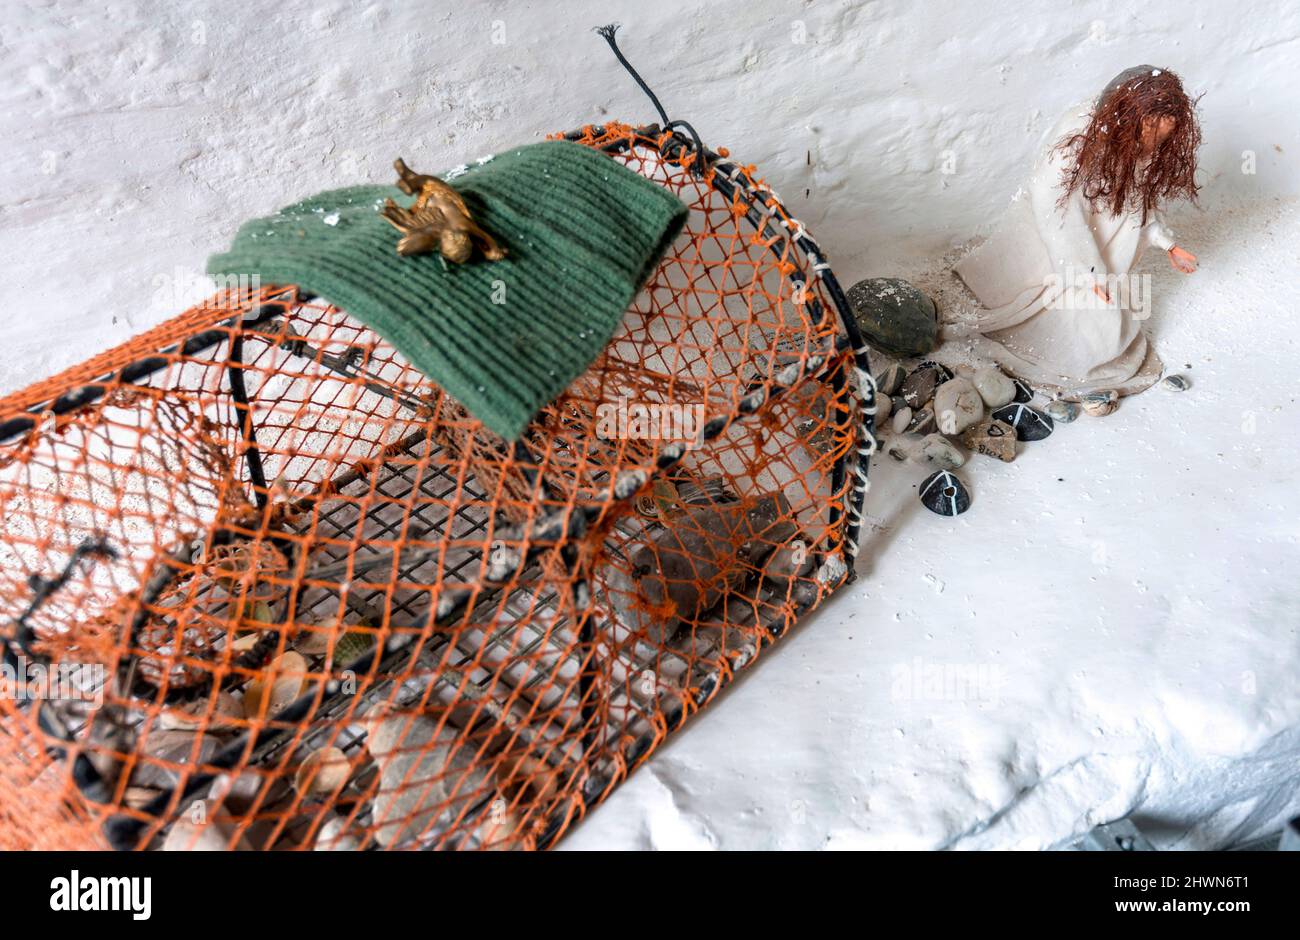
(282, 592)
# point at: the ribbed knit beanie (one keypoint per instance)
(506, 337)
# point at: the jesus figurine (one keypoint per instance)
(1059, 301)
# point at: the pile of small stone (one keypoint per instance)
(930, 414)
(927, 416)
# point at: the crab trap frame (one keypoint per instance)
(311, 602)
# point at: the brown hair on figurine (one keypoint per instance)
(1139, 148)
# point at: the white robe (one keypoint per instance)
(1055, 332)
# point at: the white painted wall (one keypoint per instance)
(135, 136)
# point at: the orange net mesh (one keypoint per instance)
(296, 597)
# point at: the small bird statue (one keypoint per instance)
(439, 220)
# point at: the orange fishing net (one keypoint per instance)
(296, 597)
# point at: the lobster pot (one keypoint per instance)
(271, 588)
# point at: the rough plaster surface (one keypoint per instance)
(137, 135)
(1158, 679)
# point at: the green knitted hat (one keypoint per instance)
(505, 337)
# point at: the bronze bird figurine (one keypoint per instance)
(439, 220)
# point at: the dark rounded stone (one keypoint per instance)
(1030, 425)
(944, 493)
(1023, 392)
(894, 316)
(920, 385)
(922, 420)
(890, 378)
(943, 371)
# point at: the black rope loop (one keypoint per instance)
(608, 33)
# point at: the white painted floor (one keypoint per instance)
(1124, 596)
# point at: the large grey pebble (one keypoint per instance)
(995, 386)
(957, 406)
(937, 451)
(894, 316)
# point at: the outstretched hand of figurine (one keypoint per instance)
(1182, 260)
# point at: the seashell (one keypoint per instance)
(251, 630)
(164, 661)
(1062, 412)
(323, 771)
(1100, 404)
(945, 494)
(139, 797)
(426, 780)
(350, 647)
(186, 835)
(312, 635)
(1176, 383)
(196, 715)
(335, 837)
(245, 642)
(260, 612)
(160, 748)
(288, 674)
(239, 794)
